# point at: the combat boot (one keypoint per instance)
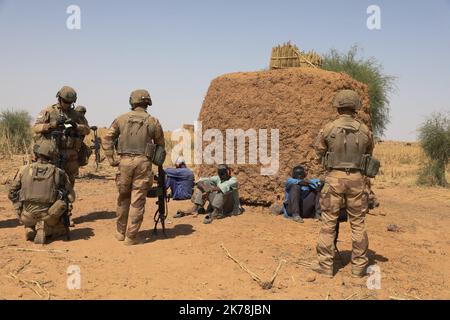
(119, 236)
(40, 236)
(30, 234)
(57, 231)
(317, 268)
(130, 241)
(358, 274)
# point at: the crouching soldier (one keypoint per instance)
(34, 193)
(222, 193)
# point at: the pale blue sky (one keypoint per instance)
(175, 48)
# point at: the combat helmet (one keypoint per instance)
(45, 149)
(80, 109)
(67, 94)
(347, 99)
(139, 97)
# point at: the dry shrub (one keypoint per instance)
(15, 132)
(434, 137)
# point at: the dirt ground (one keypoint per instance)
(191, 264)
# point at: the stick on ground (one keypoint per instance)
(40, 250)
(22, 267)
(15, 277)
(351, 296)
(263, 284)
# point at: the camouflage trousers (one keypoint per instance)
(133, 181)
(342, 190)
(37, 216)
(71, 167)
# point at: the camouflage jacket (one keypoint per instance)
(116, 131)
(321, 143)
(14, 193)
(46, 123)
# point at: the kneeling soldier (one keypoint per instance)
(34, 193)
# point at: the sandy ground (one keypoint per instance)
(190, 263)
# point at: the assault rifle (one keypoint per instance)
(96, 146)
(160, 192)
(14, 197)
(63, 195)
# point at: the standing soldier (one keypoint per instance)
(139, 137)
(34, 193)
(343, 145)
(62, 117)
(85, 152)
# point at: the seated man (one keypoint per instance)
(34, 194)
(180, 180)
(302, 196)
(222, 193)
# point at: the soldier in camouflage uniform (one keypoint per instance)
(137, 135)
(342, 144)
(82, 112)
(34, 195)
(85, 152)
(57, 117)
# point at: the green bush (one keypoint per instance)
(369, 72)
(434, 137)
(15, 131)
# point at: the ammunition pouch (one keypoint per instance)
(159, 156)
(155, 153)
(150, 150)
(56, 210)
(370, 166)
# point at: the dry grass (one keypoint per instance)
(400, 162)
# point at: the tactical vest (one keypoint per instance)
(72, 142)
(136, 134)
(40, 183)
(347, 145)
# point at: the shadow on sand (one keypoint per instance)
(93, 216)
(346, 257)
(176, 231)
(10, 223)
